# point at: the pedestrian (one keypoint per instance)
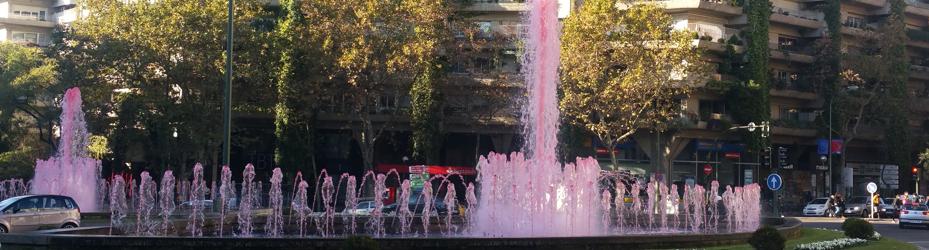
(839, 205)
(833, 204)
(875, 202)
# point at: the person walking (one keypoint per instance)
(839, 205)
(875, 203)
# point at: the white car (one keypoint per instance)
(363, 208)
(818, 207)
(913, 214)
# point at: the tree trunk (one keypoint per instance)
(611, 146)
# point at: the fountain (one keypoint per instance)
(118, 206)
(299, 205)
(147, 190)
(166, 201)
(226, 196)
(197, 202)
(274, 224)
(247, 201)
(528, 194)
(70, 172)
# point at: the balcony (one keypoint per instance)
(718, 7)
(919, 72)
(873, 3)
(27, 22)
(920, 104)
(496, 6)
(792, 53)
(858, 30)
(796, 18)
(917, 7)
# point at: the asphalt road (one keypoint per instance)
(887, 228)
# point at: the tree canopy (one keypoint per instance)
(625, 70)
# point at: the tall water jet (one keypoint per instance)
(427, 206)
(118, 206)
(274, 225)
(403, 208)
(550, 202)
(299, 206)
(351, 200)
(147, 190)
(247, 197)
(70, 172)
(327, 191)
(450, 207)
(197, 197)
(226, 196)
(166, 201)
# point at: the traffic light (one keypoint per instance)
(915, 170)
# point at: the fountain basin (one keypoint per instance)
(74, 239)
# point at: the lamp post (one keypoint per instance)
(227, 100)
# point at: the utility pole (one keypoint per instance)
(829, 151)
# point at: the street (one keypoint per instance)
(886, 227)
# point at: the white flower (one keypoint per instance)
(831, 244)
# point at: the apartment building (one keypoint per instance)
(33, 21)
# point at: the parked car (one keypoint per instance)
(362, 208)
(34, 212)
(818, 207)
(914, 215)
(207, 204)
(891, 208)
(860, 206)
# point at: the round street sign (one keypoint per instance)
(707, 169)
(872, 188)
(775, 182)
(751, 127)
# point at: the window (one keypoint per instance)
(28, 37)
(28, 205)
(854, 22)
(786, 43)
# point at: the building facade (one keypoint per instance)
(33, 21)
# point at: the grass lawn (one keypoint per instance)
(814, 235)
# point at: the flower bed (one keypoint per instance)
(832, 244)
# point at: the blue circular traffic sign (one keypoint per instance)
(775, 182)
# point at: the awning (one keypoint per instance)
(431, 169)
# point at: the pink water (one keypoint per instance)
(197, 204)
(531, 193)
(226, 196)
(146, 205)
(247, 201)
(70, 172)
(118, 205)
(274, 224)
(166, 201)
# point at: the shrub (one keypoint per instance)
(767, 238)
(857, 228)
(359, 243)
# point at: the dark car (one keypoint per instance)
(891, 208)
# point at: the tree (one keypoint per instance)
(862, 96)
(376, 46)
(159, 66)
(297, 92)
(624, 71)
(28, 85)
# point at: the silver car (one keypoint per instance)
(912, 214)
(34, 212)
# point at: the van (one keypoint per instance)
(35, 212)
